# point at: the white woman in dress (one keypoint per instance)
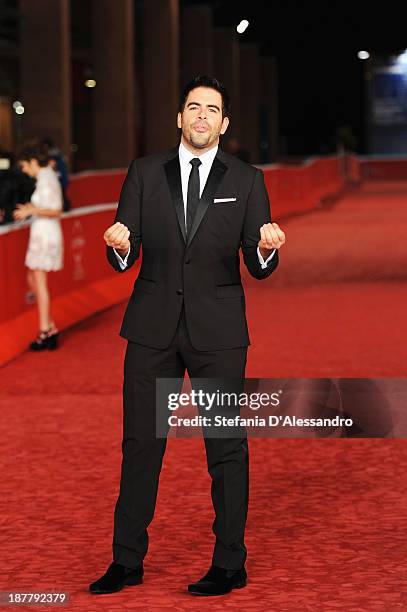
(46, 245)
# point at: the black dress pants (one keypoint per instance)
(143, 451)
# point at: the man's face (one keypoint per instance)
(201, 120)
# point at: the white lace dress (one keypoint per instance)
(46, 244)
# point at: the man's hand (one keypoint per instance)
(272, 237)
(117, 236)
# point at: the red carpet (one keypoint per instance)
(327, 521)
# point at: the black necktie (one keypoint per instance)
(193, 192)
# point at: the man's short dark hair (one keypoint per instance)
(212, 83)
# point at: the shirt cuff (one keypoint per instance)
(263, 263)
(122, 262)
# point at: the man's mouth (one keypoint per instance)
(200, 128)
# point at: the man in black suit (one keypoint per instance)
(191, 209)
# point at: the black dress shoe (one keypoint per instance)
(219, 581)
(116, 577)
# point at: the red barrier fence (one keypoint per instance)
(388, 169)
(87, 284)
(86, 188)
(294, 189)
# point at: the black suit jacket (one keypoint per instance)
(201, 271)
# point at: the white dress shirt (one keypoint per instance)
(185, 157)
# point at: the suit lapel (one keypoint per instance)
(173, 173)
(216, 174)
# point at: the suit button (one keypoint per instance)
(180, 292)
(187, 260)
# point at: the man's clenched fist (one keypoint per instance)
(117, 236)
(271, 237)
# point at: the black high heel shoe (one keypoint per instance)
(53, 339)
(45, 340)
(41, 341)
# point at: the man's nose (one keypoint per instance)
(202, 113)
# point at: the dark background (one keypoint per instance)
(321, 84)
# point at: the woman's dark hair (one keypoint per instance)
(34, 149)
(212, 83)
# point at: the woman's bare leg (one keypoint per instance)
(42, 293)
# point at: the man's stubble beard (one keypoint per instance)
(200, 144)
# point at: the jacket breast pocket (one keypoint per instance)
(145, 285)
(229, 291)
(227, 200)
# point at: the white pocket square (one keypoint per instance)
(224, 200)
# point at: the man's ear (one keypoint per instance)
(179, 123)
(225, 124)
